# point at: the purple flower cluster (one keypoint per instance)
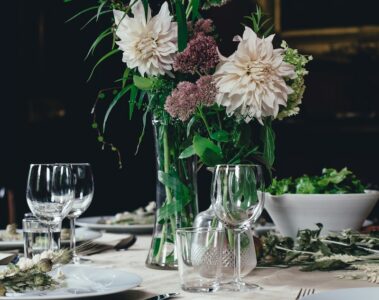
(207, 90)
(201, 26)
(200, 55)
(182, 102)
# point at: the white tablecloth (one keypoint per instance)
(278, 284)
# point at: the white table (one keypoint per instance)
(278, 284)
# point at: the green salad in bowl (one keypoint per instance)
(330, 181)
(337, 199)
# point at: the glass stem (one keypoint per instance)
(237, 256)
(72, 237)
(49, 237)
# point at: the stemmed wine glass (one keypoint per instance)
(49, 194)
(238, 199)
(82, 198)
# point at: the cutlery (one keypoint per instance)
(304, 292)
(92, 247)
(163, 296)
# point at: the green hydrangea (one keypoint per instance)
(299, 61)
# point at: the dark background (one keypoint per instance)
(46, 102)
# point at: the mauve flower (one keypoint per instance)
(182, 102)
(201, 55)
(207, 90)
(251, 82)
(203, 25)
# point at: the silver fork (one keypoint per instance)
(304, 292)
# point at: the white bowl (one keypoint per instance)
(291, 212)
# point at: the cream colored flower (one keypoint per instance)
(251, 82)
(149, 44)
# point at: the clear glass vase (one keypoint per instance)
(176, 194)
(207, 219)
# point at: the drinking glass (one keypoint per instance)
(83, 194)
(199, 258)
(238, 199)
(49, 194)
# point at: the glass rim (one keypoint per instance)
(48, 164)
(198, 229)
(235, 165)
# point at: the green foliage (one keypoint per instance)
(143, 83)
(268, 139)
(115, 100)
(330, 182)
(105, 57)
(259, 23)
(182, 195)
(188, 152)
(182, 25)
(208, 152)
(313, 252)
(220, 136)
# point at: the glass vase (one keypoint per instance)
(176, 194)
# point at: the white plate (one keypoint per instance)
(92, 223)
(85, 281)
(82, 235)
(347, 294)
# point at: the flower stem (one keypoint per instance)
(166, 154)
(204, 120)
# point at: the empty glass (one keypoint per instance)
(238, 198)
(36, 237)
(49, 194)
(83, 194)
(199, 258)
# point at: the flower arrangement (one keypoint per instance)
(207, 109)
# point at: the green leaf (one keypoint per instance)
(94, 125)
(82, 12)
(182, 25)
(195, 9)
(326, 265)
(132, 101)
(145, 7)
(106, 56)
(94, 18)
(143, 83)
(140, 99)
(189, 125)
(144, 117)
(220, 136)
(188, 152)
(181, 194)
(268, 138)
(101, 36)
(99, 10)
(208, 152)
(125, 77)
(114, 102)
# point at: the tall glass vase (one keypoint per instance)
(176, 194)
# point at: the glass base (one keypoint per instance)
(239, 286)
(197, 287)
(77, 260)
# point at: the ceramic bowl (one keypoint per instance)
(292, 212)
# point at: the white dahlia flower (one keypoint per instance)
(251, 82)
(148, 44)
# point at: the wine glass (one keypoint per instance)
(83, 194)
(49, 194)
(238, 199)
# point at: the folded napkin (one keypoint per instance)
(7, 257)
(107, 242)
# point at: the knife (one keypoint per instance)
(163, 296)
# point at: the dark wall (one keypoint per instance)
(46, 103)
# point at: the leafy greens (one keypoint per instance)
(330, 182)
